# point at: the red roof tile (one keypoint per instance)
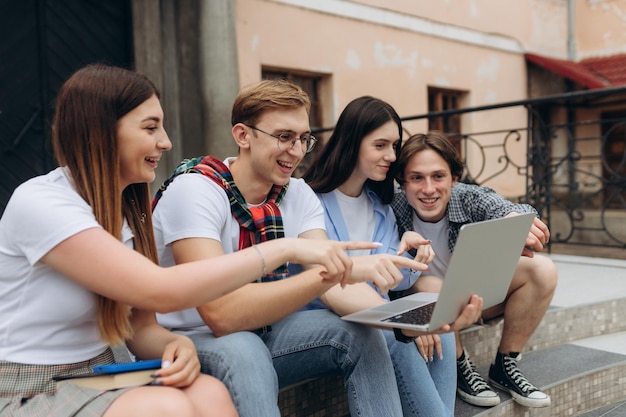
(611, 68)
(574, 71)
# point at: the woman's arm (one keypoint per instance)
(225, 315)
(178, 354)
(101, 263)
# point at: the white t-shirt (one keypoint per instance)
(45, 317)
(358, 215)
(193, 206)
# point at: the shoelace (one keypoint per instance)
(510, 366)
(476, 382)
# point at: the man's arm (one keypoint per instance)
(351, 299)
(253, 305)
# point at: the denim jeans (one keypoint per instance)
(317, 342)
(243, 363)
(426, 389)
(306, 344)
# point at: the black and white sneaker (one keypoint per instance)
(505, 375)
(471, 386)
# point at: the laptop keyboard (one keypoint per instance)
(420, 315)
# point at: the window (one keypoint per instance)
(440, 100)
(614, 152)
(310, 84)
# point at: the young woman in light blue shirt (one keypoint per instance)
(353, 178)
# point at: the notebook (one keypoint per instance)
(483, 262)
(114, 376)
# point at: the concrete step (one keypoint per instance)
(560, 325)
(577, 378)
(617, 409)
(580, 377)
(577, 355)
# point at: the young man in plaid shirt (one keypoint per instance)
(435, 205)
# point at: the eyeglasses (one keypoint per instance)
(287, 140)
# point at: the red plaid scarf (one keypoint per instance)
(256, 224)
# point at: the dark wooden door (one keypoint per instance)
(614, 159)
(42, 43)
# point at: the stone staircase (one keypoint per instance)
(562, 357)
(577, 378)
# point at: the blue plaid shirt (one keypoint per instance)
(468, 204)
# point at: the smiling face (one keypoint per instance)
(270, 164)
(376, 154)
(141, 142)
(428, 185)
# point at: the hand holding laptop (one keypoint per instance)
(538, 236)
(469, 315)
(484, 261)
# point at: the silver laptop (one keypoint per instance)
(483, 262)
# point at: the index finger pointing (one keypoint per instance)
(362, 245)
(403, 262)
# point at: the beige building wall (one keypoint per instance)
(368, 50)
(600, 27)
(395, 49)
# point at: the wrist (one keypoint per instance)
(401, 337)
(289, 247)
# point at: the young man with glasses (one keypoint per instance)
(255, 339)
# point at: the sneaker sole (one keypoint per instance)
(521, 400)
(479, 401)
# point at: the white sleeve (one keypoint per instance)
(192, 206)
(308, 211)
(41, 214)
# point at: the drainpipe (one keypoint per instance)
(571, 113)
(571, 38)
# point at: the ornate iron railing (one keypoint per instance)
(574, 169)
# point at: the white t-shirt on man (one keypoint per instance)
(193, 206)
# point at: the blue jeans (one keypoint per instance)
(306, 344)
(426, 390)
(317, 342)
(243, 363)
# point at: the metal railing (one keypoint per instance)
(573, 172)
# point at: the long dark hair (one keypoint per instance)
(84, 138)
(334, 165)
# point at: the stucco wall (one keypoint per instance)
(365, 58)
(600, 27)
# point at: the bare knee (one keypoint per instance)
(538, 273)
(211, 397)
(152, 401)
(544, 274)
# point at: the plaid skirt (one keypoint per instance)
(29, 390)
